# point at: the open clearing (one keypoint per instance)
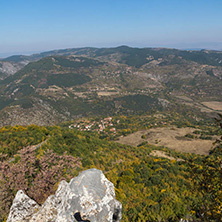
(159, 153)
(208, 106)
(107, 93)
(171, 137)
(213, 105)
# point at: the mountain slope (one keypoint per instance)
(149, 187)
(133, 56)
(122, 80)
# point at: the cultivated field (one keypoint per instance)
(208, 107)
(213, 105)
(171, 137)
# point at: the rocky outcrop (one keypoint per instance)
(22, 207)
(8, 68)
(88, 197)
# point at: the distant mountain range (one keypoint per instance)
(94, 52)
(60, 85)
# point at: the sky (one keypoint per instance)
(28, 26)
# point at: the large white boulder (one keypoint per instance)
(22, 207)
(88, 197)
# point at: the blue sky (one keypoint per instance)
(39, 25)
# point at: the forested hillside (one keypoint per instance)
(63, 85)
(150, 188)
(83, 103)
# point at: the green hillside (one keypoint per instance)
(96, 81)
(133, 56)
(150, 188)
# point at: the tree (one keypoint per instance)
(207, 177)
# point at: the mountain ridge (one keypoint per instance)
(119, 80)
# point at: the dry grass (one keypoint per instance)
(208, 107)
(213, 105)
(159, 153)
(107, 93)
(171, 137)
(185, 98)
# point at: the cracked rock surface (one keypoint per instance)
(89, 197)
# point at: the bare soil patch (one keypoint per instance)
(171, 137)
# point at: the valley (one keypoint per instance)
(114, 81)
(144, 116)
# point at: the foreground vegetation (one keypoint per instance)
(150, 188)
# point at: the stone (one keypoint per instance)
(22, 207)
(89, 197)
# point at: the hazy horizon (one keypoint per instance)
(5, 55)
(38, 26)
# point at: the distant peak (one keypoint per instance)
(123, 47)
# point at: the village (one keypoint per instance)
(106, 125)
